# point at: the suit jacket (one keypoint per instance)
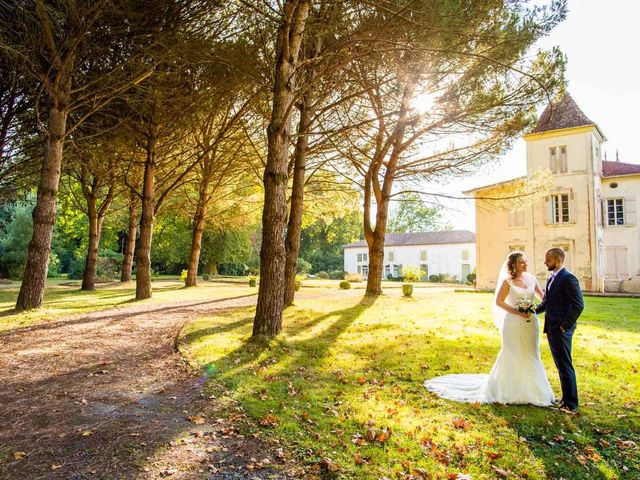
(562, 302)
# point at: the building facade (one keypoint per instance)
(590, 212)
(449, 253)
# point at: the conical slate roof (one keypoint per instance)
(563, 114)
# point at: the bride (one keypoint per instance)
(518, 375)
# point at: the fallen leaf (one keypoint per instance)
(197, 419)
(461, 424)
(330, 464)
(358, 458)
(19, 455)
(269, 421)
(55, 466)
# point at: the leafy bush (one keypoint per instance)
(53, 269)
(434, 278)
(253, 280)
(205, 276)
(336, 274)
(345, 285)
(471, 277)
(322, 274)
(298, 282)
(303, 267)
(183, 276)
(353, 277)
(389, 276)
(411, 273)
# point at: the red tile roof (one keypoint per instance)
(616, 169)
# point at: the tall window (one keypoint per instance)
(516, 218)
(553, 159)
(558, 159)
(560, 208)
(615, 211)
(562, 163)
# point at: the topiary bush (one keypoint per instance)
(434, 278)
(345, 285)
(206, 277)
(253, 280)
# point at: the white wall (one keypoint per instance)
(445, 259)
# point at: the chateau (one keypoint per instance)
(590, 212)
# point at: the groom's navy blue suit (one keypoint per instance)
(562, 305)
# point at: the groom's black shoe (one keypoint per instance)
(567, 409)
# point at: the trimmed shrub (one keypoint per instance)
(183, 276)
(322, 274)
(407, 289)
(297, 284)
(253, 280)
(345, 285)
(434, 278)
(389, 276)
(471, 277)
(206, 276)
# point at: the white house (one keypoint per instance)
(451, 253)
(590, 212)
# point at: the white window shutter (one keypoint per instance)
(630, 211)
(547, 210)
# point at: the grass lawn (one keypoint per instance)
(63, 297)
(342, 387)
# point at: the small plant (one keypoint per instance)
(434, 278)
(410, 273)
(353, 277)
(297, 285)
(183, 276)
(407, 289)
(322, 274)
(345, 285)
(389, 276)
(253, 280)
(205, 277)
(471, 278)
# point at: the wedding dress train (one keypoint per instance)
(517, 376)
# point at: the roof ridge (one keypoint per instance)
(564, 113)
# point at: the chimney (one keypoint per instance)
(617, 156)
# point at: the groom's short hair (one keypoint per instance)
(557, 253)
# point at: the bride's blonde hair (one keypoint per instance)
(512, 260)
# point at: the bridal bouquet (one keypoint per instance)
(526, 305)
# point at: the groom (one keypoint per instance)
(562, 304)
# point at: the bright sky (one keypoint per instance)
(601, 41)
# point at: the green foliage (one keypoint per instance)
(471, 277)
(411, 273)
(183, 276)
(434, 278)
(345, 285)
(413, 215)
(322, 274)
(321, 241)
(205, 276)
(53, 268)
(298, 282)
(303, 267)
(15, 234)
(253, 280)
(336, 274)
(407, 290)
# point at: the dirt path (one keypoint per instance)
(105, 395)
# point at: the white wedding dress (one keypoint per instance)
(517, 376)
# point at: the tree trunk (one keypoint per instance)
(196, 242)
(44, 213)
(127, 261)
(268, 319)
(90, 266)
(143, 248)
(294, 227)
